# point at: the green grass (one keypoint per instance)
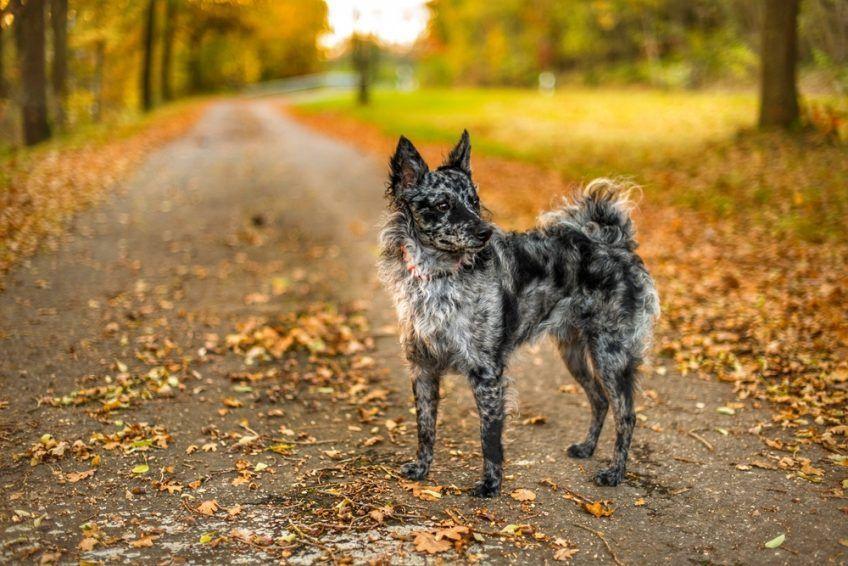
(571, 126)
(694, 149)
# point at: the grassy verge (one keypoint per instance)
(692, 149)
(42, 187)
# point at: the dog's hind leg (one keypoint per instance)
(618, 381)
(574, 354)
(489, 390)
(425, 386)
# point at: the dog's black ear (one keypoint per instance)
(407, 167)
(460, 156)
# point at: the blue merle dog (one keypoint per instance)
(468, 294)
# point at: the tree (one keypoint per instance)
(29, 37)
(168, 49)
(59, 74)
(4, 89)
(147, 61)
(778, 89)
(362, 54)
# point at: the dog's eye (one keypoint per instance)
(444, 206)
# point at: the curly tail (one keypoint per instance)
(601, 211)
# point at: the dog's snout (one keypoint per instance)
(484, 233)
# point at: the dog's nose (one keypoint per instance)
(484, 233)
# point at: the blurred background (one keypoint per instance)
(668, 92)
(72, 62)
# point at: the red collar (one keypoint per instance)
(410, 265)
(419, 273)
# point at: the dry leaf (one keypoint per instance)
(74, 477)
(523, 495)
(424, 492)
(208, 507)
(143, 542)
(455, 533)
(564, 554)
(425, 541)
(598, 508)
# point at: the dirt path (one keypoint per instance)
(251, 215)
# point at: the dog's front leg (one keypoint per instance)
(425, 386)
(489, 394)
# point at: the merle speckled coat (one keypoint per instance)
(468, 294)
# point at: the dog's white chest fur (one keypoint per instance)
(451, 318)
(437, 313)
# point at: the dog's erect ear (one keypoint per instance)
(460, 156)
(407, 167)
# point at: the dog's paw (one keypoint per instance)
(611, 476)
(486, 488)
(582, 450)
(414, 471)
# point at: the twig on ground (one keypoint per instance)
(603, 538)
(312, 541)
(702, 440)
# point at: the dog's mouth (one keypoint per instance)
(459, 252)
(470, 246)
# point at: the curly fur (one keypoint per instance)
(468, 294)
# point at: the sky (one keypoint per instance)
(393, 21)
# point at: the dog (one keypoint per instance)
(467, 294)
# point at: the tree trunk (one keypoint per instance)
(778, 89)
(194, 68)
(29, 36)
(362, 64)
(97, 86)
(147, 61)
(168, 49)
(4, 89)
(59, 23)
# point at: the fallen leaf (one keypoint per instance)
(74, 477)
(425, 541)
(522, 494)
(513, 529)
(564, 554)
(453, 533)
(598, 508)
(141, 469)
(208, 507)
(143, 542)
(170, 487)
(281, 448)
(776, 541)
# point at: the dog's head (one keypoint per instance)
(442, 204)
